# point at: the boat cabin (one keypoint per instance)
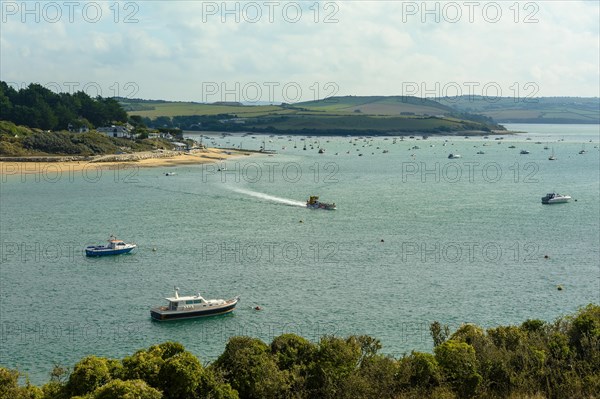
(191, 302)
(116, 244)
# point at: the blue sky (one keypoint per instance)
(290, 51)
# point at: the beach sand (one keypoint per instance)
(150, 159)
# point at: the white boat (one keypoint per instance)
(114, 247)
(188, 307)
(170, 174)
(555, 198)
(454, 156)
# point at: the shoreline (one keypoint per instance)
(149, 159)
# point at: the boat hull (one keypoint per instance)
(325, 207)
(555, 201)
(167, 315)
(107, 252)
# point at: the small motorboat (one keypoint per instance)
(555, 198)
(454, 156)
(114, 247)
(480, 152)
(524, 152)
(314, 203)
(188, 307)
(170, 174)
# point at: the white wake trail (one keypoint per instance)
(269, 197)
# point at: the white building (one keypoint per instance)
(117, 131)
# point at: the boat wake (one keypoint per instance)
(268, 197)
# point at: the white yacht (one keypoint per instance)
(188, 307)
(555, 198)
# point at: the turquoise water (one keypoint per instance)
(464, 240)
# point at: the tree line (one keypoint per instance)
(38, 107)
(535, 360)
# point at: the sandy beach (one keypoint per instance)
(147, 159)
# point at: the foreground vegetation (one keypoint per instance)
(39, 107)
(22, 141)
(533, 360)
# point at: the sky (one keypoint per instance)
(279, 51)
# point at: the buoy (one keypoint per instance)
(546, 257)
(559, 287)
(154, 249)
(300, 221)
(382, 240)
(257, 308)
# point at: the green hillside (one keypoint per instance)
(155, 109)
(335, 115)
(530, 110)
(378, 105)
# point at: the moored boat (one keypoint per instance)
(314, 203)
(189, 307)
(555, 198)
(454, 156)
(114, 247)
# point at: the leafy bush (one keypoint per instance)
(536, 360)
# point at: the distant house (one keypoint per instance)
(81, 129)
(121, 131)
(160, 135)
(180, 146)
(239, 121)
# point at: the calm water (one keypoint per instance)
(463, 241)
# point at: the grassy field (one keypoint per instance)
(171, 109)
(538, 110)
(336, 115)
(377, 105)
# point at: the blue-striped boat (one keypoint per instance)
(114, 247)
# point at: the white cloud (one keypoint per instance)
(373, 48)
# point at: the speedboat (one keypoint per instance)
(454, 156)
(188, 307)
(114, 247)
(314, 203)
(555, 198)
(170, 174)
